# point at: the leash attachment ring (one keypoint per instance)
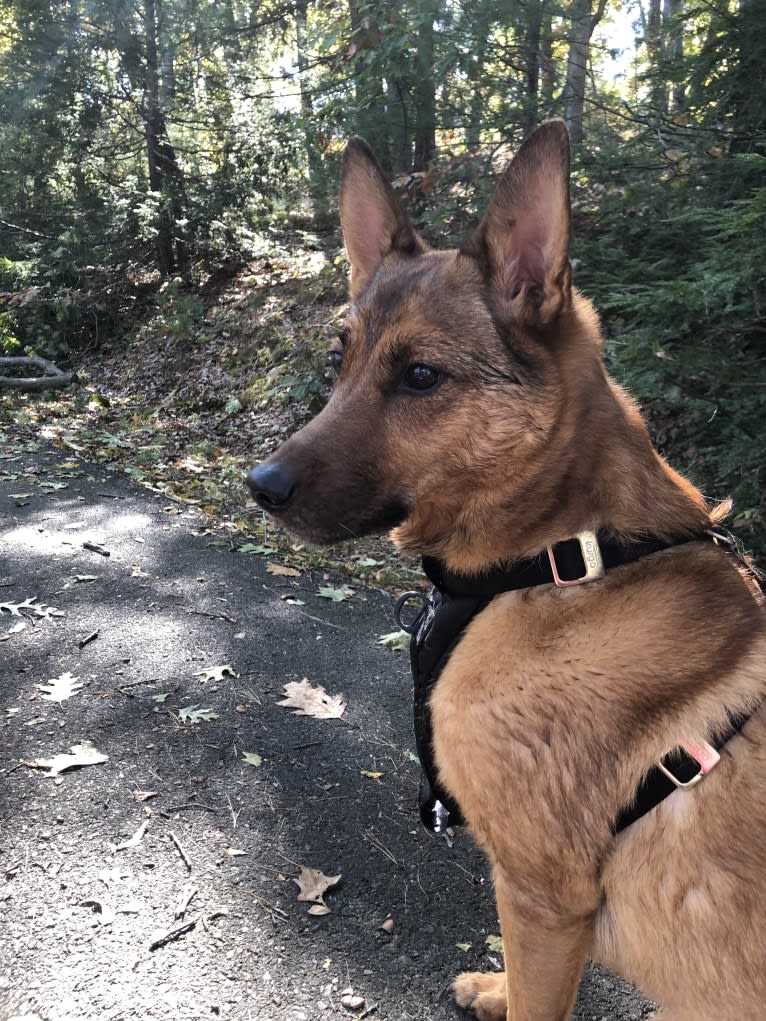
(401, 602)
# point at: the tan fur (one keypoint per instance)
(556, 701)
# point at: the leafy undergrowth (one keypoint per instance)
(203, 387)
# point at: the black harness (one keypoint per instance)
(452, 604)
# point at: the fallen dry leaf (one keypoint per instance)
(59, 688)
(312, 886)
(281, 571)
(83, 754)
(31, 608)
(308, 700)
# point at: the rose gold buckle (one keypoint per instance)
(704, 755)
(591, 555)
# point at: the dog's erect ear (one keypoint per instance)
(522, 244)
(373, 219)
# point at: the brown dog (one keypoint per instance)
(473, 414)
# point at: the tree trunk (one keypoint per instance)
(317, 190)
(582, 26)
(533, 28)
(547, 62)
(674, 52)
(425, 89)
(165, 177)
(371, 122)
(653, 40)
(476, 76)
(398, 125)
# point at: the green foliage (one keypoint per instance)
(180, 310)
(9, 342)
(310, 388)
(681, 284)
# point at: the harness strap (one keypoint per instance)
(456, 599)
(679, 769)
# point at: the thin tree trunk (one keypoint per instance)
(317, 191)
(476, 76)
(533, 28)
(368, 87)
(582, 26)
(165, 176)
(653, 39)
(425, 89)
(398, 122)
(674, 52)
(547, 63)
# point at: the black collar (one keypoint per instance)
(569, 557)
(457, 598)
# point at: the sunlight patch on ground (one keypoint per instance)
(47, 533)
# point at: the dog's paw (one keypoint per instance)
(484, 994)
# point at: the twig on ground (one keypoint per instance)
(185, 897)
(234, 814)
(381, 847)
(87, 639)
(272, 908)
(94, 547)
(135, 840)
(215, 616)
(190, 805)
(184, 855)
(174, 933)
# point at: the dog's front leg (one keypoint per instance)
(545, 949)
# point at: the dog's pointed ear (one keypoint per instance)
(373, 219)
(522, 244)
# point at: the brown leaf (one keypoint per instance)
(282, 571)
(312, 886)
(83, 754)
(140, 796)
(308, 700)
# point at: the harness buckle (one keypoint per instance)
(591, 557)
(401, 602)
(704, 755)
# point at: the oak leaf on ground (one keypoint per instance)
(308, 700)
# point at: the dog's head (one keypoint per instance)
(456, 369)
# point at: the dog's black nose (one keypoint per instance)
(272, 485)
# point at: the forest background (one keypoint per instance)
(168, 212)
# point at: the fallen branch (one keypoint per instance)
(52, 376)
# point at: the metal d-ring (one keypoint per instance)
(401, 602)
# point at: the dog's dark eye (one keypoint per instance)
(421, 377)
(335, 359)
